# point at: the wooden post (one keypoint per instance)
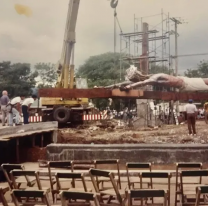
(33, 141)
(42, 140)
(17, 150)
(55, 136)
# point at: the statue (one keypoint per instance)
(137, 79)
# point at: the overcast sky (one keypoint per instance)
(39, 38)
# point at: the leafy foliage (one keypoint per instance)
(47, 74)
(16, 78)
(102, 70)
(155, 69)
(201, 71)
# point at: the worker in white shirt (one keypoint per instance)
(26, 106)
(191, 112)
(14, 108)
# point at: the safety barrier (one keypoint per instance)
(91, 117)
(35, 118)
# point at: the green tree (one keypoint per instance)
(16, 78)
(155, 69)
(47, 74)
(103, 70)
(201, 71)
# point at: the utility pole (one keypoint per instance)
(176, 53)
(176, 43)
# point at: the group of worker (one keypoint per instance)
(191, 112)
(13, 109)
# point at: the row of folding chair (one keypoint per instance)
(73, 198)
(132, 181)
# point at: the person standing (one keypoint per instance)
(206, 112)
(191, 112)
(26, 106)
(14, 108)
(4, 101)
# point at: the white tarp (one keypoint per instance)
(194, 84)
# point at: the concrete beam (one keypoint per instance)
(157, 153)
(8, 132)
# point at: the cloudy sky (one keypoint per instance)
(38, 38)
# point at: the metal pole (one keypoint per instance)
(176, 49)
(114, 31)
(120, 55)
(162, 41)
(169, 42)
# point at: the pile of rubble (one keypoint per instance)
(110, 132)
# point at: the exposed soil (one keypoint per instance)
(110, 133)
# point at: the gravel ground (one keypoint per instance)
(111, 134)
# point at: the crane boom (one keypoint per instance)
(68, 46)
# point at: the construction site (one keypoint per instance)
(151, 136)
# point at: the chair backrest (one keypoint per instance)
(2, 198)
(101, 173)
(83, 164)
(18, 195)
(155, 175)
(192, 173)
(186, 166)
(200, 190)
(146, 193)
(7, 168)
(58, 165)
(73, 176)
(68, 195)
(137, 166)
(111, 162)
(25, 173)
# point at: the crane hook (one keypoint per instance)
(114, 3)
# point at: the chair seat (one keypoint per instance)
(47, 178)
(111, 192)
(5, 188)
(191, 189)
(137, 180)
(47, 189)
(106, 179)
(22, 179)
(79, 190)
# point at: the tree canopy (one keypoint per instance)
(103, 69)
(47, 74)
(201, 71)
(16, 78)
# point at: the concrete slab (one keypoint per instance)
(155, 153)
(7, 133)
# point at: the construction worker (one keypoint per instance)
(14, 108)
(26, 106)
(4, 101)
(206, 112)
(191, 111)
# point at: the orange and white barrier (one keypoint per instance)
(104, 114)
(91, 117)
(35, 118)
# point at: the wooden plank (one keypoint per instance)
(129, 94)
(116, 93)
(17, 151)
(75, 93)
